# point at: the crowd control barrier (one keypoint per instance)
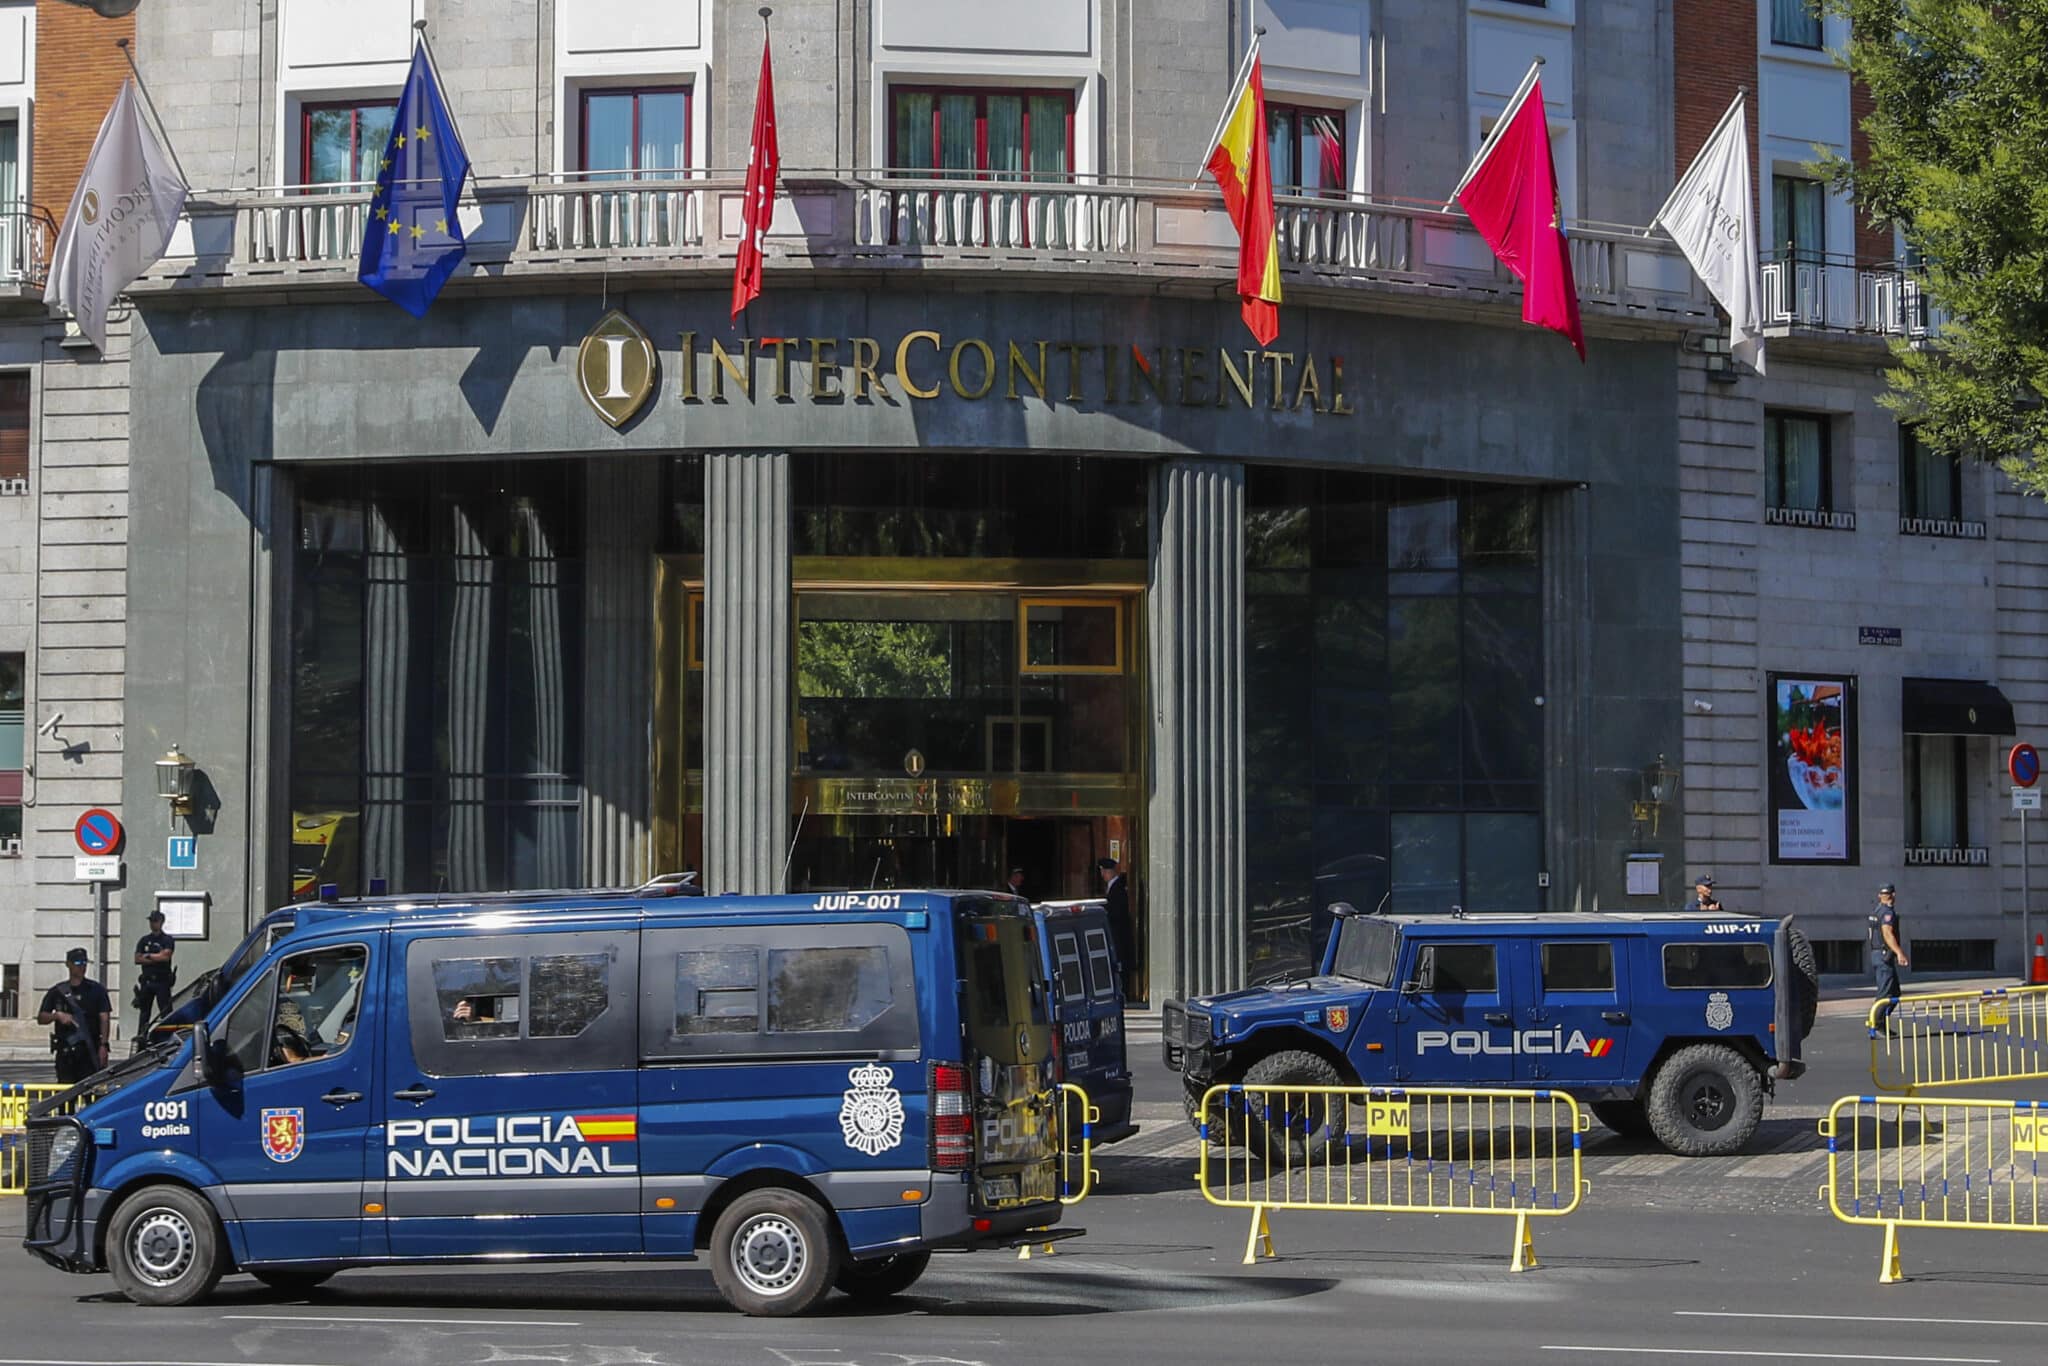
(1414, 1150)
(15, 1099)
(1078, 1118)
(1917, 1162)
(1959, 1038)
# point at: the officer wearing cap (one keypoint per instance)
(82, 1019)
(1887, 951)
(153, 983)
(1703, 895)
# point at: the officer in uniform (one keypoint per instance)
(1887, 951)
(83, 1018)
(153, 984)
(1703, 895)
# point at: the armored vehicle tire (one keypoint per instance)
(1705, 1101)
(291, 1280)
(164, 1246)
(774, 1253)
(886, 1276)
(1805, 980)
(1625, 1117)
(1291, 1130)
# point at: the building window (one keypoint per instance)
(13, 695)
(10, 992)
(1798, 467)
(14, 400)
(1307, 149)
(1795, 23)
(991, 134)
(1799, 218)
(1931, 492)
(636, 134)
(1937, 797)
(341, 143)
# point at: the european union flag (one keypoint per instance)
(412, 242)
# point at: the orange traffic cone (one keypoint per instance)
(2038, 976)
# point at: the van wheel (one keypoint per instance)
(773, 1253)
(291, 1280)
(1805, 980)
(883, 1277)
(164, 1246)
(1291, 1126)
(1705, 1101)
(1625, 1117)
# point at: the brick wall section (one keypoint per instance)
(1715, 43)
(1873, 243)
(79, 72)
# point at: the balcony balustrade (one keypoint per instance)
(1820, 293)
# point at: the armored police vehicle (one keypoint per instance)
(1088, 1011)
(1670, 1024)
(809, 1090)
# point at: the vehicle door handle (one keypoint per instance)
(415, 1094)
(1616, 1017)
(341, 1097)
(1499, 1017)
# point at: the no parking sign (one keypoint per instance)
(98, 832)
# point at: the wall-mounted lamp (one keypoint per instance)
(1720, 356)
(1659, 785)
(174, 783)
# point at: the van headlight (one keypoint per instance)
(63, 1148)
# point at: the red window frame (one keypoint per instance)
(1302, 113)
(981, 94)
(355, 126)
(636, 91)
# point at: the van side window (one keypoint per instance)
(479, 997)
(303, 1009)
(1101, 967)
(1578, 966)
(246, 1036)
(718, 991)
(568, 991)
(779, 991)
(1066, 950)
(827, 991)
(553, 1001)
(1455, 968)
(1697, 967)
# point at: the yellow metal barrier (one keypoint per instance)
(1958, 1038)
(1077, 1114)
(1943, 1163)
(1420, 1150)
(15, 1099)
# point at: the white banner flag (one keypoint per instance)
(1712, 217)
(121, 218)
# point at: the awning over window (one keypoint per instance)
(1954, 706)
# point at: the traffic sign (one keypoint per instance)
(96, 868)
(2024, 765)
(2026, 799)
(181, 853)
(98, 831)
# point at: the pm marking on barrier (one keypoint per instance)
(1413, 1150)
(1898, 1162)
(1958, 1038)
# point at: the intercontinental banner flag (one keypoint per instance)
(121, 219)
(1712, 217)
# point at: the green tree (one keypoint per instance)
(1958, 160)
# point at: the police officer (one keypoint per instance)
(1703, 895)
(1887, 951)
(153, 984)
(82, 1017)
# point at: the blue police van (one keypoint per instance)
(808, 1090)
(1673, 1025)
(1088, 1011)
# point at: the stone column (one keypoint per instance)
(1193, 891)
(746, 671)
(621, 520)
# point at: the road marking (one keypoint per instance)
(1779, 1355)
(439, 1323)
(1856, 1318)
(157, 1361)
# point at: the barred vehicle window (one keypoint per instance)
(1578, 966)
(1068, 954)
(718, 991)
(478, 998)
(827, 991)
(1101, 968)
(1697, 967)
(568, 992)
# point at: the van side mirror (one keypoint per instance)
(202, 1054)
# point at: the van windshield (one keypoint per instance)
(1365, 950)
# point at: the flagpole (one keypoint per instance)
(1734, 107)
(447, 107)
(1229, 104)
(1499, 127)
(150, 104)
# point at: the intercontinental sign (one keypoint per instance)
(615, 372)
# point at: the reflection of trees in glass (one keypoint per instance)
(874, 659)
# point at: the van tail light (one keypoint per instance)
(952, 1118)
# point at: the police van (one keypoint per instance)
(1673, 1025)
(809, 1090)
(1088, 1010)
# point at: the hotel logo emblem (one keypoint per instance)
(615, 367)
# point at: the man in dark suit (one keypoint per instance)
(1116, 898)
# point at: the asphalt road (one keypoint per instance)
(1673, 1260)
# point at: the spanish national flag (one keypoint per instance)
(1240, 161)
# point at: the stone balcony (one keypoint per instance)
(1133, 236)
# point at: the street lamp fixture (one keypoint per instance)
(174, 782)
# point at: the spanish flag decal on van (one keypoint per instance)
(608, 1128)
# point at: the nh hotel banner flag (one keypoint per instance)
(412, 240)
(1241, 162)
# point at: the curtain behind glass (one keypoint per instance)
(1006, 150)
(1937, 795)
(1793, 459)
(1280, 149)
(10, 166)
(956, 134)
(1049, 138)
(1930, 488)
(913, 131)
(1799, 216)
(661, 133)
(1794, 23)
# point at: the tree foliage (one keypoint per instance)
(1958, 160)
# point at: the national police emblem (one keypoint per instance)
(284, 1134)
(1720, 1014)
(871, 1118)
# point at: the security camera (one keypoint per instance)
(1701, 705)
(49, 727)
